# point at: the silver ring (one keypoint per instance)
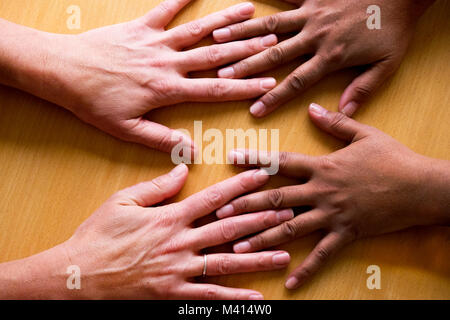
(205, 261)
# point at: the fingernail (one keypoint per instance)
(225, 211)
(268, 83)
(350, 108)
(261, 176)
(246, 9)
(285, 215)
(256, 297)
(222, 34)
(241, 247)
(281, 259)
(258, 109)
(226, 72)
(317, 110)
(178, 170)
(236, 157)
(291, 283)
(269, 40)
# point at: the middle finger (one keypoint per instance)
(230, 229)
(209, 57)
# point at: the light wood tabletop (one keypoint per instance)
(55, 170)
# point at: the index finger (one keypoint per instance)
(294, 165)
(283, 22)
(214, 197)
(192, 32)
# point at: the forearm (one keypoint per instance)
(41, 276)
(436, 182)
(31, 60)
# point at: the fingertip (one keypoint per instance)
(291, 283)
(179, 171)
(258, 109)
(227, 73)
(268, 84)
(242, 247)
(317, 111)
(350, 108)
(236, 157)
(222, 35)
(269, 41)
(246, 9)
(261, 176)
(256, 296)
(281, 258)
(225, 211)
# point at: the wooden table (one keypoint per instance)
(56, 171)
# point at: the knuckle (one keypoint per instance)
(269, 219)
(271, 98)
(326, 164)
(363, 91)
(261, 262)
(337, 121)
(228, 230)
(194, 28)
(322, 254)
(298, 81)
(165, 8)
(158, 183)
(217, 89)
(237, 29)
(304, 273)
(165, 90)
(214, 198)
(275, 197)
(213, 55)
(276, 55)
(163, 290)
(241, 205)
(271, 23)
(290, 229)
(336, 56)
(254, 45)
(163, 142)
(283, 159)
(210, 294)
(241, 67)
(224, 265)
(258, 242)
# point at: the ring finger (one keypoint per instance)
(283, 52)
(233, 228)
(229, 263)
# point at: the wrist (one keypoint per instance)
(435, 183)
(41, 276)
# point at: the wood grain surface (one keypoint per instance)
(55, 170)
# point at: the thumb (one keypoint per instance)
(161, 138)
(164, 13)
(364, 86)
(157, 190)
(337, 124)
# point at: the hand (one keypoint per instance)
(128, 249)
(335, 34)
(113, 76)
(373, 186)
